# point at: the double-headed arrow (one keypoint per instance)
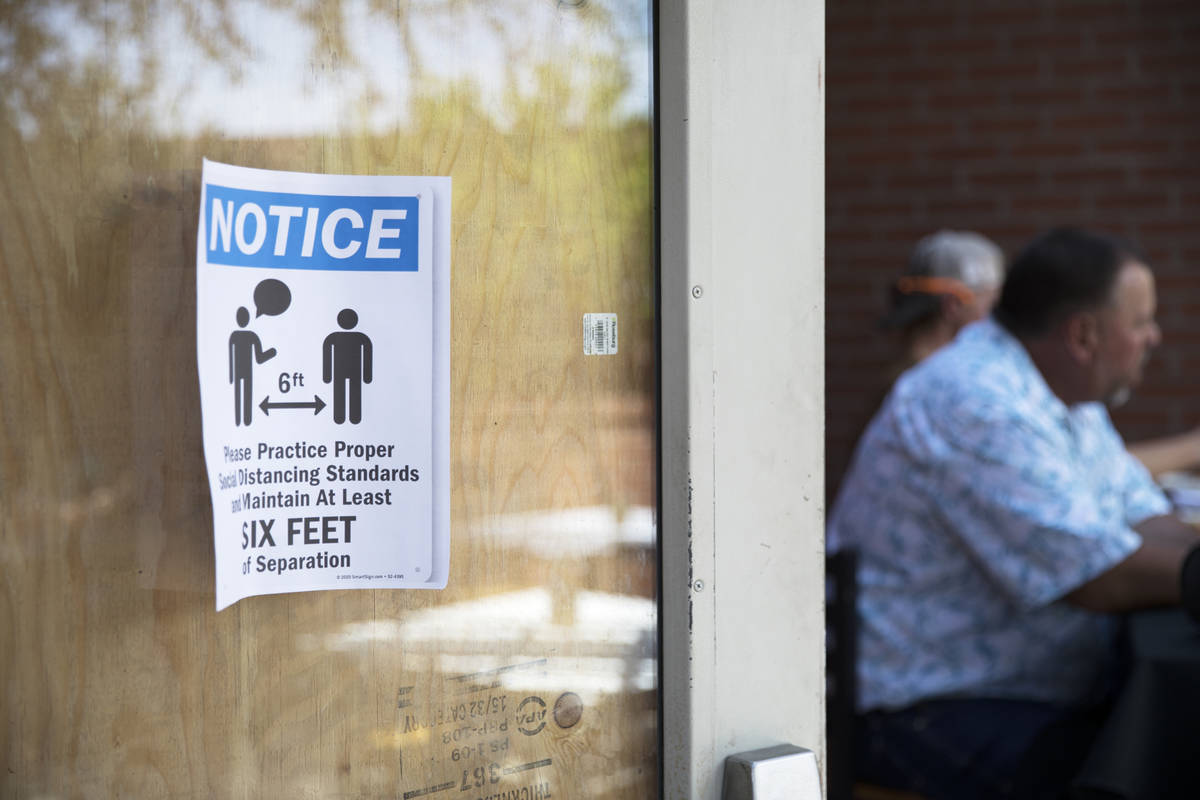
(316, 405)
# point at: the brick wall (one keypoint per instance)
(1008, 117)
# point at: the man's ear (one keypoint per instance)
(954, 311)
(1081, 331)
(949, 306)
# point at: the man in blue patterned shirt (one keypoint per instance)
(1000, 522)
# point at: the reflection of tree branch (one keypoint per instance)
(71, 65)
(102, 55)
(213, 30)
(327, 20)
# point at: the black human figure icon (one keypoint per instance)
(245, 349)
(346, 363)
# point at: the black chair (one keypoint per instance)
(841, 682)
(841, 655)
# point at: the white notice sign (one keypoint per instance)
(322, 339)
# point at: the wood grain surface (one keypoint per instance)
(533, 674)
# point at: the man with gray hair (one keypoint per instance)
(953, 278)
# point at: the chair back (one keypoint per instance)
(841, 680)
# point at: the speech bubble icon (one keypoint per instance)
(271, 297)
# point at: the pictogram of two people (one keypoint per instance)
(345, 362)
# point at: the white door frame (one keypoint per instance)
(740, 119)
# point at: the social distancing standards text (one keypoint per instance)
(322, 339)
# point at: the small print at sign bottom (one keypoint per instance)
(599, 334)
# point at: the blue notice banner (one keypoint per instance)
(246, 228)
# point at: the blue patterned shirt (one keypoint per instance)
(977, 500)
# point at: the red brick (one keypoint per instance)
(1175, 10)
(1138, 93)
(1089, 121)
(1056, 40)
(844, 181)
(1105, 67)
(962, 152)
(878, 49)
(1003, 178)
(883, 104)
(848, 281)
(1135, 147)
(1047, 148)
(1120, 38)
(1021, 71)
(1000, 129)
(886, 152)
(1072, 203)
(1170, 173)
(838, 339)
(844, 72)
(1170, 62)
(837, 236)
(897, 17)
(856, 313)
(922, 129)
(1045, 96)
(968, 47)
(843, 20)
(1141, 201)
(856, 131)
(918, 74)
(1181, 227)
(951, 206)
(1174, 282)
(1152, 391)
(1077, 12)
(1073, 175)
(1187, 138)
(895, 206)
(1189, 91)
(1171, 118)
(973, 99)
(1152, 138)
(908, 181)
(1006, 14)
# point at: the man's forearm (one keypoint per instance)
(1149, 576)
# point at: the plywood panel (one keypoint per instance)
(534, 671)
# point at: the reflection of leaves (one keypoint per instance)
(211, 26)
(82, 85)
(76, 64)
(72, 63)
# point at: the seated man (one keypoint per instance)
(1000, 522)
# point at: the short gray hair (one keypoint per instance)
(975, 260)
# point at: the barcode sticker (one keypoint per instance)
(599, 334)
